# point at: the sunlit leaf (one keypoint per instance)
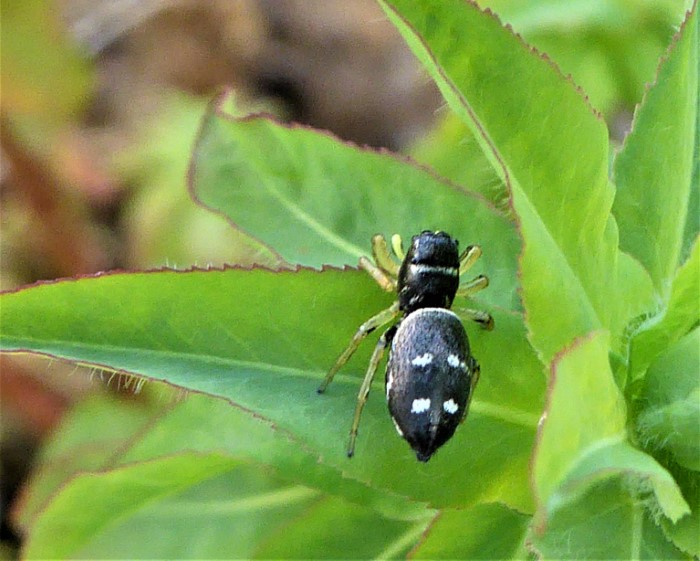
(573, 277)
(484, 531)
(607, 522)
(670, 418)
(653, 171)
(165, 508)
(581, 444)
(263, 340)
(317, 201)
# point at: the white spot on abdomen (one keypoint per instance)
(420, 405)
(422, 360)
(389, 383)
(450, 406)
(453, 360)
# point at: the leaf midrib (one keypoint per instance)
(487, 409)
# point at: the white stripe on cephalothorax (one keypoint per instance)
(439, 269)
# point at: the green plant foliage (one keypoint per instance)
(654, 169)
(298, 196)
(231, 354)
(78, 447)
(607, 523)
(252, 464)
(472, 63)
(679, 314)
(485, 531)
(671, 416)
(582, 444)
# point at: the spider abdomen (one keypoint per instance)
(430, 378)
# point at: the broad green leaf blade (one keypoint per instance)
(76, 446)
(165, 509)
(607, 522)
(519, 107)
(653, 171)
(199, 424)
(692, 223)
(484, 531)
(335, 529)
(680, 314)
(254, 338)
(205, 425)
(670, 419)
(587, 442)
(317, 200)
(488, 76)
(451, 150)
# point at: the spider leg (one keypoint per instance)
(378, 274)
(397, 246)
(475, 372)
(484, 319)
(474, 285)
(382, 318)
(382, 257)
(468, 258)
(364, 389)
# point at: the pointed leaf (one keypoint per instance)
(253, 337)
(317, 200)
(607, 522)
(670, 419)
(573, 277)
(654, 169)
(579, 445)
(685, 533)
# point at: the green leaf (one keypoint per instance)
(654, 169)
(318, 201)
(334, 529)
(252, 337)
(76, 446)
(607, 522)
(678, 316)
(182, 507)
(670, 419)
(205, 425)
(484, 531)
(573, 277)
(451, 150)
(199, 424)
(685, 533)
(587, 442)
